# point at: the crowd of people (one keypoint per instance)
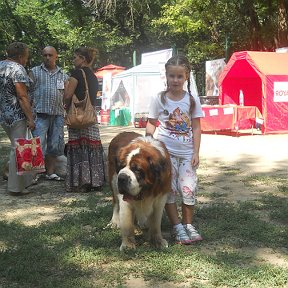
(37, 102)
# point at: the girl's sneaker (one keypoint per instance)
(192, 233)
(180, 235)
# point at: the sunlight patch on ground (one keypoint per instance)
(271, 256)
(32, 215)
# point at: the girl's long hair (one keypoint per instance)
(180, 60)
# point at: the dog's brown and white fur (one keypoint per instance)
(140, 178)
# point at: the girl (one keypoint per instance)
(85, 168)
(179, 115)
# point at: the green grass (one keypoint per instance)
(279, 181)
(79, 250)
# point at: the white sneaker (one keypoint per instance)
(180, 235)
(192, 233)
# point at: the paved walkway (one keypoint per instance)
(108, 132)
(259, 152)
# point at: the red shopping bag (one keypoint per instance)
(29, 155)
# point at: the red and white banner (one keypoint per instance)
(280, 91)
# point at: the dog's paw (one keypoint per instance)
(114, 222)
(159, 243)
(128, 245)
(112, 225)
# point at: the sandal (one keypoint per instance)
(35, 179)
(54, 177)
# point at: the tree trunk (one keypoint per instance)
(256, 41)
(282, 25)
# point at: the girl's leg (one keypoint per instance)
(172, 213)
(170, 207)
(188, 212)
(179, 231)
(188, 188)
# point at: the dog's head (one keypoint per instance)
(143, 169)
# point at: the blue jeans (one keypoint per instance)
(50, 129)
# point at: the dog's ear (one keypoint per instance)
(158, 168)
(117, 164)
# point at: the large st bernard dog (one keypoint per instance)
(140, 178)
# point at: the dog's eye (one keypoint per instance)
(120, 165)
(137, 170)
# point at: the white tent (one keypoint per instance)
(141, 83)
(134, 88)
(160, 56)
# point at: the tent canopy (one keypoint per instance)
(263, 78)
(113, 69)
(249, 64)
(141, 69)
(140, 83)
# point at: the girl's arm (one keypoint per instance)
(151, 127)
(196, 126)
(69, 91)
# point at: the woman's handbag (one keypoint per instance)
(29, 155)
(81, 114)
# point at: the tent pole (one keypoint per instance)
(227, 47)
(134, 58)
(174, 50)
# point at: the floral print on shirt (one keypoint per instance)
(10, 109)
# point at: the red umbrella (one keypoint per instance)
(113, 69)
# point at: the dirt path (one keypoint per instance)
(44, 203)
(226, 163)
(247, 155)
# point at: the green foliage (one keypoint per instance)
(202, 29)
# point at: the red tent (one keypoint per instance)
(263, 78)
(109, 69)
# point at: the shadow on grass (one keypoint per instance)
(240, 225)
(55, 254)
(78, 250)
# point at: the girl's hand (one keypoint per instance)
(195, 160)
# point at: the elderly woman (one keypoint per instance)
(85, 168)
(15, 109)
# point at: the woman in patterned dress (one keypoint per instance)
(85, 165)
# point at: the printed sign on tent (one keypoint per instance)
(213, 70)
(280, 91)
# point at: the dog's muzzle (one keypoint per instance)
(123, 183)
